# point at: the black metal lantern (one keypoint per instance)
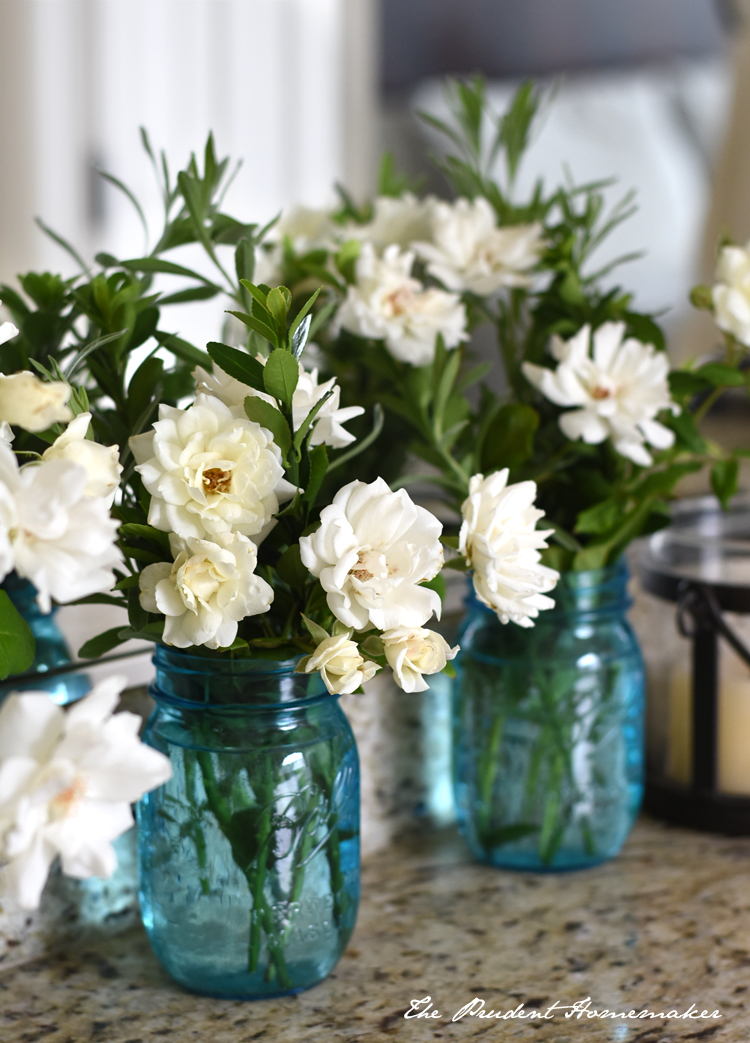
(701, 564)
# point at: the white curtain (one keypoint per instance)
(288, 85)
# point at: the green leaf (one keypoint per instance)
(238, 364)
(721, 375)
(158, 264)
(244, 259)
(281, 374)
(16, 640)
(515, 125)
(147, 532)
(291, 570)
(724, 475)
(318, 459)
(298, 338)
(685, 383)
(686, 431)
(257, 325)
(268, 416)
(509, 440)
(64, 244)
(600, 518)
(197, 293)
(126, 191)
(317, 633)
(101, 644)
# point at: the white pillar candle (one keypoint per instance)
(733, 774)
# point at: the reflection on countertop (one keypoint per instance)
(664, 925)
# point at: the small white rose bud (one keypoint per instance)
(412, 652)
(341, 666)
(31, 404)
(100, 462)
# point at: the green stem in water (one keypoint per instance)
(488, 771)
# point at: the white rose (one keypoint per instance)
(101, 463)
(412, 652)
(731, 294)
(326, 428)
(386, 303)
(67, 780)
(372, 550)
(619, 389)
(500, 541)
(341, 666)
(30, 403)
(395, 219)
(469, 252)
(210, 472)
(208, 589)
(58, 538)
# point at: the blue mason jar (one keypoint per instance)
(548, 728)
(249, 855)
(51, 649)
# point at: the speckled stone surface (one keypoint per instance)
(665, 925)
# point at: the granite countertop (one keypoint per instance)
(665, 925)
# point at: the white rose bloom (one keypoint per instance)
(32, 404)
(327, 426)
(469, 252)
(101, 463)
(57, 537)
(619, 390)
(395, 219)
(370, 553)
(209, 471)
(206, 591)
(67, 780)
(412, 652)
(500, 541)
(731, 293)
(386, 303)
(341, 666)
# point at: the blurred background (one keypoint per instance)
(309, 92)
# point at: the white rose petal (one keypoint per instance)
(7, 331)
(327, 427)
(372, 550)
(51, 532)
(386, 303)
(208, 589)
(500, 541)
(412, 652)
(101, 463)
(32, 404)
(341, 665)
(67, 781)
(469, 252)
(209, 471)
(731, 293)
(619, 389)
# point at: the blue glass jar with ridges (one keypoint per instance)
(51, 649)
(548, 728)
(249, 855)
